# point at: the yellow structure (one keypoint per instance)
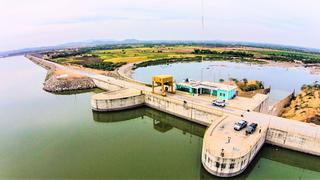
(163, 80)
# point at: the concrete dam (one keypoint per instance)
(225, 152)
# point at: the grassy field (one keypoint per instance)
(110, 58)
(143, 53)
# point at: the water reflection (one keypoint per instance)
(109, 117)
(277, 163)
(292, 158)
(162, 122)
(268, 156)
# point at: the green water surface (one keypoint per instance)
(43, 135)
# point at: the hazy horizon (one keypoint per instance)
(37, 23)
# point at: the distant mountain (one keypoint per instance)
(92, 43)
(278, 46)
(25, 50)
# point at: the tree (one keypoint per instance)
(234, 80)
(245, 81)
(221, 80)
(260, 84)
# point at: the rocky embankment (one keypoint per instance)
(306, 106)
(58, 81)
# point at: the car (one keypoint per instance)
(251, 128)
(219, 103)
(240, 125)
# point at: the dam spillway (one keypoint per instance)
(282, 132)
(226, 152)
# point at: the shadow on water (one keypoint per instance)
(292, 158)
(275, 154)
(164, 122)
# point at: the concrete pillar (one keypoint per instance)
(172, 89)
(162, 89)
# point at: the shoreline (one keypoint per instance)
(127, 70)
(60, 80)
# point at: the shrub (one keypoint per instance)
(245, 81)
(108, 66)
(234, 80)
(167, 61)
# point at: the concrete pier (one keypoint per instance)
(117, 100)
(227, 152)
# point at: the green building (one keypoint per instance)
(221, 91)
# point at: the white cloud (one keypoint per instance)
(26, 23)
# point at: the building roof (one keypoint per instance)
(162, 78)
(208, 85)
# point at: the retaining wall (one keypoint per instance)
(117, 104)
(295, 135)
(277, 108)
(186, 110)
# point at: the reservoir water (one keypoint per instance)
(281, 79)
(43, 135)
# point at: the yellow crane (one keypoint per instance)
(165, 81)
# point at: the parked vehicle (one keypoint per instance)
(251, 128)
(219, 103)
(240, 125)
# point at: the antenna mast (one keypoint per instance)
(202, 34)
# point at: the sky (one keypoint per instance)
(32, 23)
